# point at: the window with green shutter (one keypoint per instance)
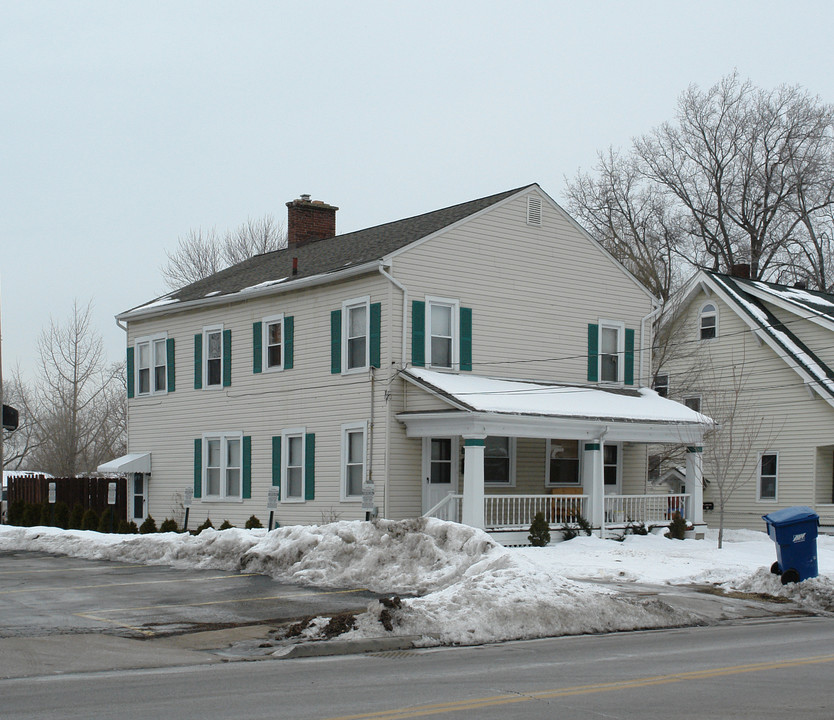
(198, 467)
(375, 339)
(593, 352)
(257, 347)
(227, 358)
(247, 467)
(169, 351)
(198, 361)
(466, 338)
(628, 371)
(289, 331)
(418, 333)
(310, 466)
(130, 371)
(336, 342)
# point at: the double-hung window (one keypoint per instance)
(293, 465)
(273, 343)
(442, 335)
(708, 322)
(354, 442)
(222, 466)
(356, 330)
(499, 461)
(611, 466)
(213, 361)
(768, 476)
(151, 365)
(611, 352)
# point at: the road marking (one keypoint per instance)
(120, 584)
(497, 700)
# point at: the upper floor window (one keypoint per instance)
(768, 476)
(708, 322)
(693, 402)
(152, 365)
(442, 334)
(273, 343)
(213, 361)
(611, 351)
(356, 318)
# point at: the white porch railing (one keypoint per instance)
(648, 509)
(516, 512)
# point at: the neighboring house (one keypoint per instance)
(767, 350)
(479, 362)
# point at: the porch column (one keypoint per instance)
(472, 512)
(593, 485)
(695, 483)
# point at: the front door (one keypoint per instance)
(440, 470)
(139, 498)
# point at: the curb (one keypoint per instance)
(349, 647)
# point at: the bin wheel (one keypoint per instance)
(790, 576)
(775, 569)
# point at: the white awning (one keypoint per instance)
(130, 463)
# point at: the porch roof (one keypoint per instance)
(534, 408)
(130, 463)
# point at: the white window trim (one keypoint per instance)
(347, 305)
(150, 340)
(265, 323)
(454, 304)
(620, 328)
(712, 313)
(346, 428)
(223, 437)
(513, 455)
(759, 498)
(547, 481)
(285, 456)
(206, 330)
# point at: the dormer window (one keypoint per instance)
(708, 322)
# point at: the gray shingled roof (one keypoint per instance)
(327, 256)
(814, 301)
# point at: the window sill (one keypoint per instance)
(352, 499)
(356, 371)
(217, 499)
(293, 501)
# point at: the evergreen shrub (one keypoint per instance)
(168, 525)
(90, 520)
(149, 526)
(252, 523)
(539, 531)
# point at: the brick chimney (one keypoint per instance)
(309, 220)
(740, 270)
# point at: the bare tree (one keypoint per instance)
(19, 444)
(203, 253)
(77, 419)
(743, 175)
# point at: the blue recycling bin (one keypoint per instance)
(794, 530)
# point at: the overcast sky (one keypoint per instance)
(123, 125)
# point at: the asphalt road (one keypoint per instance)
(42, 595)
(753, 670)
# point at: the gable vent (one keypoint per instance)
(534, 211)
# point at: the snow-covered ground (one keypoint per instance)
(464, 587)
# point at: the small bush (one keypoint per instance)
(205, 526)
(89, 521)
(569, 532)
(104, 522)
(584, 525)
(637, 529)
(62, 513)
(226, 525)
(46, 515)
(16, 510)
(76, 519)
(169, 525)
(149, 526)
(127, 528)
(539, 531)
(253, 523)
(677, 527)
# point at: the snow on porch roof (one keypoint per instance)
(537, 398)
(130, 463)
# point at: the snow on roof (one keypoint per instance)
(529, 397)
(796, 295)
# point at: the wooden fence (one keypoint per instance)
(85, 491)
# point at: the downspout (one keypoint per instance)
(651, 316)
(404, 290)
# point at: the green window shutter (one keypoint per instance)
(289, 333)
(198, 468)
(198, 361)
(310, 466)
(257, 347)
(227, 358)
(247, 467)
(628, 368)
(376, 333)
(418, 333)
(169, 359)
(593, 352)
(130, 370)
(336, 342)
(276, 464)
(465, 338)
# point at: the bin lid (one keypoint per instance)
(787, 516)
